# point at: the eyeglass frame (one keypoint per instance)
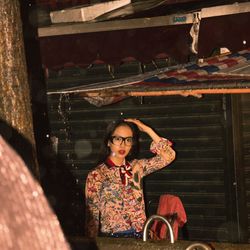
(123, 140)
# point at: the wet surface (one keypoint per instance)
(103, 243)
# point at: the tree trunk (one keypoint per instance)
(15, 102)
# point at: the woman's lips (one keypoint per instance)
(121, 152)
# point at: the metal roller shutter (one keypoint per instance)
(200, 129)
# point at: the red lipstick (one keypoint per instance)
(121, 152)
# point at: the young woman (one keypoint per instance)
(114, 196)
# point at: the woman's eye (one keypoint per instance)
(118, 139)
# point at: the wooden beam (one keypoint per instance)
(197, 92)
(86, 12)
(222, 10)
(138, 23)
(89, 27)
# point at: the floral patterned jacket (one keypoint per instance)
(112, 206)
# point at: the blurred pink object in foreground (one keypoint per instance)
(26, 219)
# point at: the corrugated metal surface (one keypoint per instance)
(245, 103)
(201, 174)
(197, 176)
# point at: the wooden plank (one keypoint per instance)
(175, 19)
(191, 92)
(197, 93)
(222, 10)
(85, 13)
(80, 28)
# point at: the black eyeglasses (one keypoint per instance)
(118, 140)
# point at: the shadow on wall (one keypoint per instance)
(65, 196)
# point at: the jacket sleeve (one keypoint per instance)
(164, 156)
(92, 194)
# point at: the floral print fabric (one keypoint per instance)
(112, 206)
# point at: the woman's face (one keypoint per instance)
(121, 142)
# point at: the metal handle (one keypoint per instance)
(159, 217)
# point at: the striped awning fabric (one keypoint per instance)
(220, 74)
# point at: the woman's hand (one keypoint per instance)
(144, 128)
(141, 126)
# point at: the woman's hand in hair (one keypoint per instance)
(141, 126)
(144, 128)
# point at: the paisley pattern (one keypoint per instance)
(112, 206)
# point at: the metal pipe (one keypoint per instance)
(159, 217)
(198, 245)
